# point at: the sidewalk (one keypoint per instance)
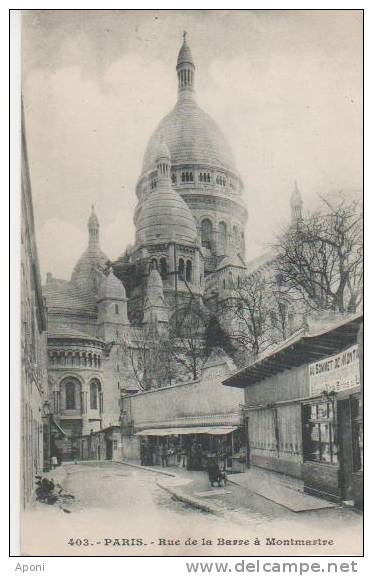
(279, 488)
(259, 493)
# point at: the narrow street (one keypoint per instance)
(120, 510)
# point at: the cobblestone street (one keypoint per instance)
(122, 510)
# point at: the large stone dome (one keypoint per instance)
(192, 137)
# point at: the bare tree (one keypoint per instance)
(248, 314)
(146, 355)
(320, 258)
(187, 338)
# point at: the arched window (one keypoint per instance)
(188, 274)
(163, 266)
(173, 178)
(191, 176)
(181, 269)
(116, 308)
(206, 233)
(200, 177)
(208, 177)
(235, 235)
(204, 178)
(154, 264)
(94, 389)
(70, 395)
(183, 177)
(223, 235)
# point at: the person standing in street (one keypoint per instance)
(164, 455)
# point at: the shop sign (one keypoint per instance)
(335, 373)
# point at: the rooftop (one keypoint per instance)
(301, 348)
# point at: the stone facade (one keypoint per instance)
(33, 343)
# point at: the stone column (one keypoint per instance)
(84, 408)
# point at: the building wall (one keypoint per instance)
(275, 432)
(33, 345)
(188, 402)
(286, 385)
(275, 438)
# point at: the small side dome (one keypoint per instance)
(111, 287)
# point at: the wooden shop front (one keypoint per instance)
(304, 410)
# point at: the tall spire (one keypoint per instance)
(185, 68)
(93, 229)
(296, 204)
(163, 163)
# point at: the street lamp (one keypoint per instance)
(47, 434)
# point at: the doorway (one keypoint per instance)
(109, 449)
(346, 456)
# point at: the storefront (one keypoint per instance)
(190, 447)
(304, 410)
(103, 444)
(333, 428)
(185, 423)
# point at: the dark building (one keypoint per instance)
(33, 341)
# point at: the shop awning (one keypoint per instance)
(213, 430)
(299, 349)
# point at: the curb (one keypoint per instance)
(179, 495)
(146, 468)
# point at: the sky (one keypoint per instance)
(285, 87)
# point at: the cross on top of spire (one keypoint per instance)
(185, 66)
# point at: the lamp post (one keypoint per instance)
(47, 435)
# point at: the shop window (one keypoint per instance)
(319, 440)
(357, 433)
